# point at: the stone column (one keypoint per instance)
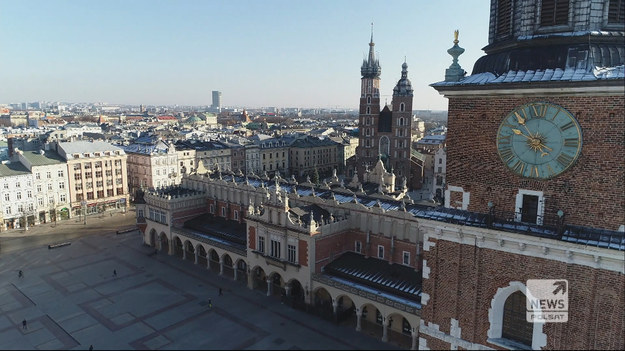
(221, 266)
(358, 319)
(236, 273)
(335, 309)
(196, 256)
(268, 286)
(250, 280)
(385, 324)
(287, 289)
(184, 252)
(414, 335)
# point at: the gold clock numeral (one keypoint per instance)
(567, 126)
(522, 115)
(534, 171)
(506, 124)
(571, 142)
(541, 111)
(550, 170)
(506, 154)
(518, 167)
(564, 160)
(554, 116)
(504, 139)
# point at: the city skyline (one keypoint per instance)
(258, 54)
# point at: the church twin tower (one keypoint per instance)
(384, 134)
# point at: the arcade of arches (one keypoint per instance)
(387, 323)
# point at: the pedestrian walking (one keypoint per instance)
(220, 292)
(20, 274)
(90, 347)
(210, 303)
(114, 273)
(24, 325)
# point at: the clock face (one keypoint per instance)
(539, 140)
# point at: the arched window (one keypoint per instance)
(402, 107)
(515, 325)
(400, 122)
(507, 319)
(368, 99)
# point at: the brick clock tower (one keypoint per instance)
(536, 143)
(384, 134)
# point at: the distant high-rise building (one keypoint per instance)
(216, 100)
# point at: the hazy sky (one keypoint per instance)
(284, 53)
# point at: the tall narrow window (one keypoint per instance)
(381, 251)
(616, 12)
(261, 244)
(402, 107)
(504, 18)
(554, 12)
(515, 325)
(291, 253)
(275, 249)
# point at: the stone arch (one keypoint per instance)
(322, 302)
(189, 250)
(228, 265)
(202, 255)
(213, 260)
(152, 238)
(259, 279)
(277, 285)
(399, 330)
(296, 294)
(495, 314)
(372, 320)
(345, 310)
(164, 242)
(242, 270)
(177, 246)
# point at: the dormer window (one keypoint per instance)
(504, 18)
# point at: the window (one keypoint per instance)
(212, 208)
(261, 244)
(616, 11)
(40, 201)
(49, 186)
(368, 99)
(291, 253)
(402, 107)
(515, 325)
(61, 174)
(406, 258)
(100, 194)
(140, 213)
(6, 185)
(554, 12)
(29, 194)
(275, 249)
(99, 183)
(19, 195)
(62, 198)
(77, 176)
(503, 19)
(368, 110)
(18, 185)
(49, 175)
(381, 251)
(61, 185)
(236, 214)
(358, 246)
(79, 197)
(90, 195)
(78, 186)
(223, 212)
(7, 197)
(109, 192)
(31, 207)
(98, 174)
(89, 185)
(88, 174)
(37, 175)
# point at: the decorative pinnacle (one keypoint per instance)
(371, 42)
(456, 32)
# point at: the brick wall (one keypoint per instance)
(303, 253)
(465, 278)
(331, 247)
(251, 239)
(591, 192)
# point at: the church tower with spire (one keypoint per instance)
(385, 134)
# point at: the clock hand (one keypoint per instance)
(521, 121)
(518, 132)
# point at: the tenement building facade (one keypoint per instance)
(536, 142)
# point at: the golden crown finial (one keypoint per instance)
(456, 36)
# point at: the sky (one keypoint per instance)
(258, 53)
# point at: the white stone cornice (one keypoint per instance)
(495, 90)
(523, 244)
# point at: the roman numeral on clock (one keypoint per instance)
(564, 160)
(571, 142)
(534, 171)
(539, 110)
(518, 167)
(504, 139)
(506, 154)
(567, 126)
